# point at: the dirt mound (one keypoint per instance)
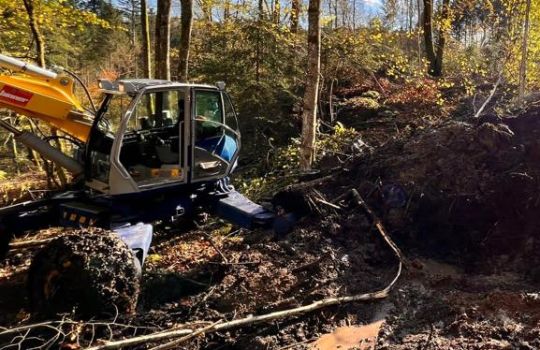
(471, 191)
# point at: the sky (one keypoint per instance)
(371, 4)
(370, 8)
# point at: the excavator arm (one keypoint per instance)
(45, 95)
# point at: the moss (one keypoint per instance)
(372, 94)
(364, 103)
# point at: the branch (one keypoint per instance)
(174, 343)
(479, 112)
(30, 243)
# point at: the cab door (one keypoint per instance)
(149, 149)
(215, 136)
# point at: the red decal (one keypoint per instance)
(15, 96)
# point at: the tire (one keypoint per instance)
(92, 274)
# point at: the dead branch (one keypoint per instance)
(383, 92)
(30, 244)
(209, 239)
(251, 320)
(174, 343)
(153, 337)
(311, 183)
(379, 225)
(479, 112)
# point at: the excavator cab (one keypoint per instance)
(152, 133)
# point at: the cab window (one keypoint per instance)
(216, 144)
(208, 106)
(152, 144)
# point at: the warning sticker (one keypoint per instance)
(15, 96)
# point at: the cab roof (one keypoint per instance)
(131, 86)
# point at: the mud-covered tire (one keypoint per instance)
(89, 273)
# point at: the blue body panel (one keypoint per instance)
(224, 146)
(137, 237)
(239, 210)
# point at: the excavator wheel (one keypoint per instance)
(91, 274)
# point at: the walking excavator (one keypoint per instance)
(152, 151)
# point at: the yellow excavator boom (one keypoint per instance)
(44, 95)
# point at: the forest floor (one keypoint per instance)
(460, 198)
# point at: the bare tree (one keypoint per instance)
(163, 40)
(524, 49)
(36, 33)
(145, 28)
(295, 14)
(185, 40)
(309, 116)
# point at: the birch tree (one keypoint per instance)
(145, 28)
(309, 116)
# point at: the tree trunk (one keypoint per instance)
(145, 26)
(185, 39)
(258, 44)
(309, 116)
(354, 15)
(418, 35)
(36, 33)
(435, 59)
(206, 8)
(295, 14)
(163, 40)
(524, 49)
(335, 13)
(277, 12)
(40, 51)
(438, 67)
(226, 10)
(428, 35)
